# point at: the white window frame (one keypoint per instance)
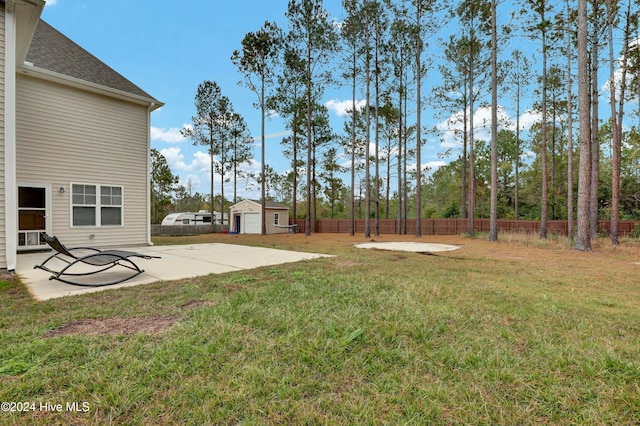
(97, 206)
(276, 218)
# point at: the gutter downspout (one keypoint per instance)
(10, 179)
(150, 108)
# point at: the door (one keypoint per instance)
(32, 216)
(252, 223)
(237, 224)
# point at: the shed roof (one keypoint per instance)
(268, 204)
(53, 51)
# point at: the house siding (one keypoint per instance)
(66, 135)
(3, 226)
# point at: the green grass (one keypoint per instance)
(368, 337)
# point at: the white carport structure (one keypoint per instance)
(246, 217)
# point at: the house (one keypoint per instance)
(74, 142)
(246, 217)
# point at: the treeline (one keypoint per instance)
(546, 60)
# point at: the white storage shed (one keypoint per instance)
(246, 217)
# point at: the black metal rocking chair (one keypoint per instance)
(101, 259)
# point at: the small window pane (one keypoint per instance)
(111, 216)
(110, 196)
(31, 197)
(83, 194)
(84, 216)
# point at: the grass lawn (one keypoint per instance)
(519, 332)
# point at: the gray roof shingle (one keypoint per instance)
(53, 51)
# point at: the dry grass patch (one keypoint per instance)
(114, 326)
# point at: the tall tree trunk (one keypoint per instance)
(294, 142)
(376, 226)
(307, 228)
(465, 125)
(493, 227)
(367, 178)
(616, 121)
(418, 123)
(472, 173)
(543, 141)
(516, 195)
(595, 138)
(405, 189)
(213, 214)
(615, 155)
(583, 236)
(352, 225)
(400, 118)
(314, 195)
(570, 231)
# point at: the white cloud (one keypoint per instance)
(272, 135)
(429, 167)
(432, 166)
(174, 158)
(528, 119)
(171, 135)
(200, 163)
(50, 2)
(342, 108)
(453, 126)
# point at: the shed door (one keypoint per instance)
(252, 223)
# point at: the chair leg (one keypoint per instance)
(122, 261)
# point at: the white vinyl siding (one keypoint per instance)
(3, 227)
(65, 136)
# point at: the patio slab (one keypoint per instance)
(176, 262)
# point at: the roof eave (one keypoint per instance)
(31, 70)
(27, 14)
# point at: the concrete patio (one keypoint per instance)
(176, 262)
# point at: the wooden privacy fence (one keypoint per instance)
(457, 226)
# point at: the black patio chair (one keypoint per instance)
(102, 260)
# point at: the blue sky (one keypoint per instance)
(167, 48)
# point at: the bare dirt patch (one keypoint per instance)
(114, 326)
(194, 304)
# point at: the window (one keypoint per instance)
(94, 205)
(111, 205)
(83, 199)
(276, 218)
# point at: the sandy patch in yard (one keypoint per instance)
(413, 247)
(115, 326)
